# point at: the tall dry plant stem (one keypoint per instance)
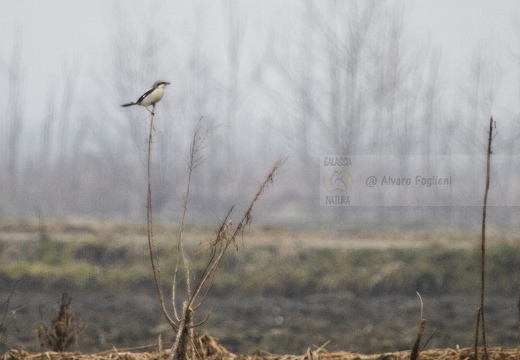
(183, 347)
(151, 243)
(518, 340)
(481, 310)
(226, 235)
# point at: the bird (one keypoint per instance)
(151, 96)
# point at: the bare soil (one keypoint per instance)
(274, 324)
(384, 323)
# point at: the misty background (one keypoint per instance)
(291, 79)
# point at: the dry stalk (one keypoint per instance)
(417, 345)
(183, 347)
(483, 241)
(159, 345)
(225, 235)
(151, 242)
(476, 333)
(518, 341)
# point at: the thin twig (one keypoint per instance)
(211, 261)
(429, 339)
(483, 244)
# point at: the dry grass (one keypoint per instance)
(127, 232)
(64, 330)
(208, 348)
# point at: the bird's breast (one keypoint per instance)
(154, 96)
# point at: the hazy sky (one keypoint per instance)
(57, 35)
(57, 38)
(462, 28)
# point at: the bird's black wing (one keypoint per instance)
(148, 92)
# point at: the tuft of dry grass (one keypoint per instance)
(64, 331)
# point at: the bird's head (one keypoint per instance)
(161, 84)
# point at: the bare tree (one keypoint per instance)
(15, 116)
(480, 92)
(431, 108)
(47, 129)
(237, 26)
(354, 86)
(135, 62)
(65, 114)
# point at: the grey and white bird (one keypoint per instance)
(151, 96)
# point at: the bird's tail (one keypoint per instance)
(128, 104)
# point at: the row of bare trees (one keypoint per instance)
(338, 78)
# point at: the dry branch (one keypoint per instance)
(226, 234)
